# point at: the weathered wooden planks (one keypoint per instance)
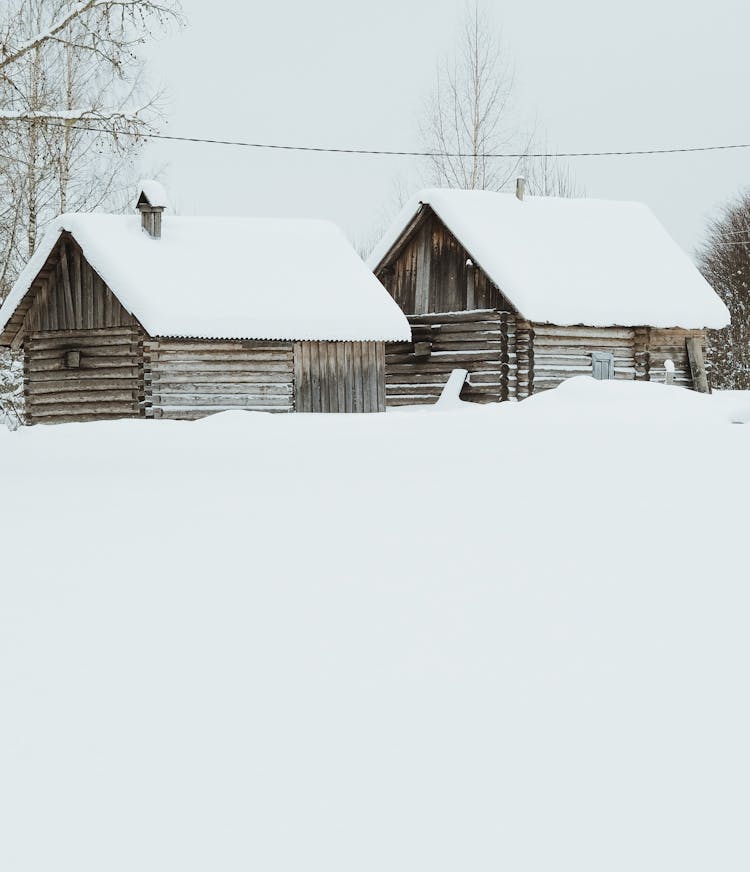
(70, 296)
(670, 344)
(430, 271)
(339, 376)
(188, 379)
(697, 365)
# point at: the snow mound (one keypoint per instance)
(511, 639)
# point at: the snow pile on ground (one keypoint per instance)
(569, 261)
(509, 637)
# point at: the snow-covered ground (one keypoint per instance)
(510, 637)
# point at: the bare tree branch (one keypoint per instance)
(470, 112)
(78, 12)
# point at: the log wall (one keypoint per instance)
(525, 359)
(83, 375)
(639, 353)
(430, 274)
(482, 342)
(564, 352)
(663, 344)
(189, 379)
(339, 376)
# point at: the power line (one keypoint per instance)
(393, 153)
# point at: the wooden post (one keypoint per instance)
(471, 297)
(424, 265)
(697, 365)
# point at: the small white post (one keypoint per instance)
(669, 371)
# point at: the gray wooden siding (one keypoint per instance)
(482, 342)
(663, 344)
(564, 352)
(192, 379)
(639, 353)
(339, 376)
(428, 272)
(106, 384)
(70, 295)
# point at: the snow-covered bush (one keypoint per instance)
(11, 391)
(724, 260)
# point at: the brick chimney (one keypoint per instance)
(151, 204)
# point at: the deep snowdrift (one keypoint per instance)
(487, 638)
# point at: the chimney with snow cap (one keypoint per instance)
(151, 203)
(520, 187)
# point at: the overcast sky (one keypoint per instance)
(593, 75)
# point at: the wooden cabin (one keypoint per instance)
(526, 292)
(179, 317)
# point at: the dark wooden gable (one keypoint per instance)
(67, 294)
(428, 270)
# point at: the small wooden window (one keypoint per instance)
(602, 365)
(422, 349)
(72, 360)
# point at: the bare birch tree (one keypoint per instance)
(64, 65)
(724, 260)
(549, 176)
(68, 65)
(470, 113)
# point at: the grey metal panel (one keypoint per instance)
(603, 365)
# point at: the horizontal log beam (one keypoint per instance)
(40, 401)
(227, 401)
(103, 332)
(223, 378)
(92, 375)
(87, 363)
(84, 385)
(207, 367)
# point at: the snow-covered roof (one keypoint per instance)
(566, 261)
(230, 278)
(155, 193)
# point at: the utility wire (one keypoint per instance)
(394, 153)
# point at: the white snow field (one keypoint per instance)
(487, 638)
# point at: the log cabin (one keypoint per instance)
(121, 316)
(525, 292)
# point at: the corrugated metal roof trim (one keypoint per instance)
(267, 338)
